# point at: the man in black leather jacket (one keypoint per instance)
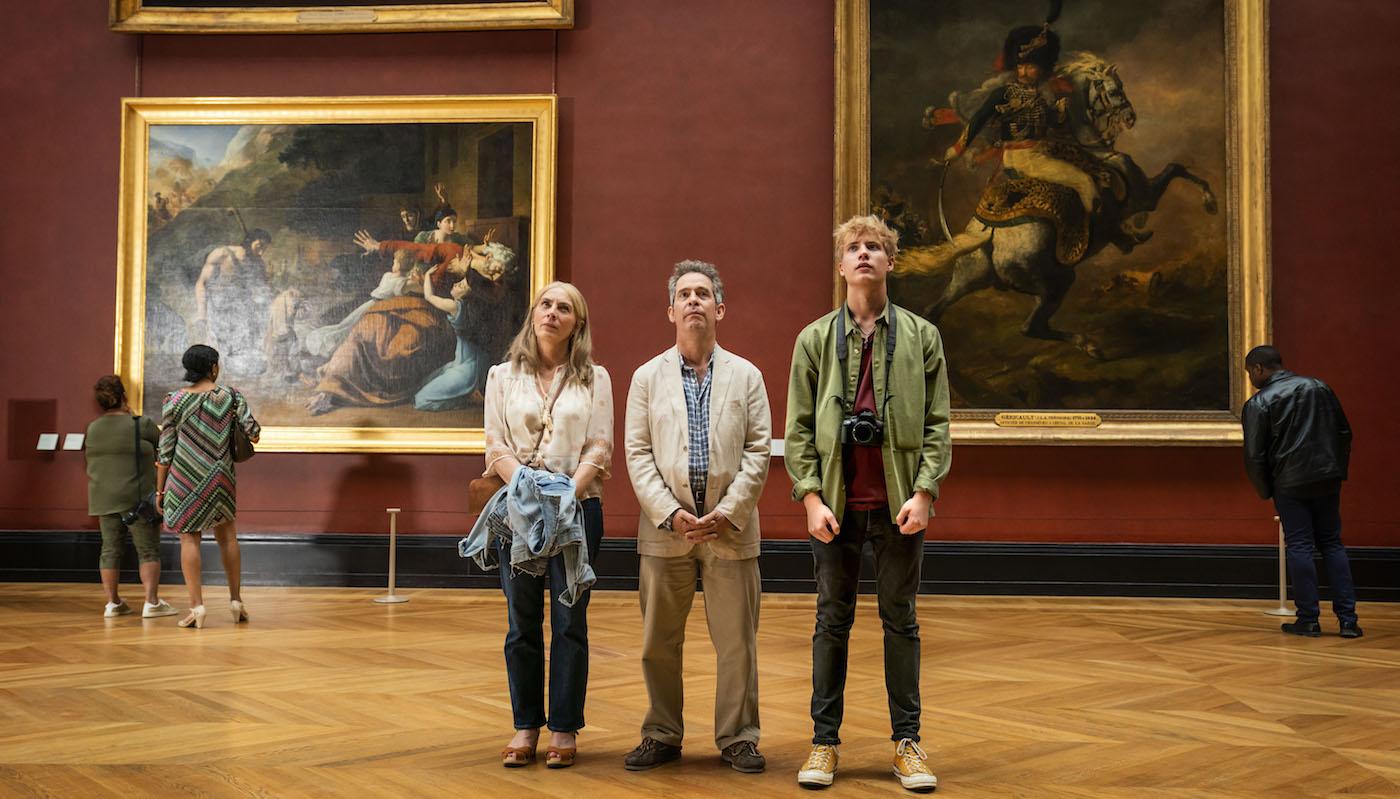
(1296, 445)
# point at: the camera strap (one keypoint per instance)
(136, 454)
(842, 352)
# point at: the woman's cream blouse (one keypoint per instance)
(582, 429)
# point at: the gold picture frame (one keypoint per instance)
(531, 121)
(141, 16)
(1245, 202)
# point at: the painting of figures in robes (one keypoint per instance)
(1076, 188)
(358, 272)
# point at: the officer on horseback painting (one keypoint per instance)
(1025, 111)
(1064, 191)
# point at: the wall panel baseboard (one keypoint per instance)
(1139, 570)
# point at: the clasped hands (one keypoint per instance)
(706, 528)
(822, 524)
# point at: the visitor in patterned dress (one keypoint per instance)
(194, 472)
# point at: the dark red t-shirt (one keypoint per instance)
(864, 467)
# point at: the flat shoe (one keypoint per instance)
(115, 609)
(517, 756)
(555, 757)
(161, 608)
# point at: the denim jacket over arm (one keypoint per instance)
(917, 451)
(538, 517)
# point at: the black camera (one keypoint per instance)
(864, 429)
(147, 510)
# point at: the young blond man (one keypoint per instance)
(867, 446)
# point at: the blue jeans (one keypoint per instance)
(898, 561)
(568, 647)
(1310, 522)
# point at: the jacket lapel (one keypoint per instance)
(720, 385)
(674, 403)
(674, 400)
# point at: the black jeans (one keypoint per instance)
(568, 646)
(898, 562)
(1310, 522)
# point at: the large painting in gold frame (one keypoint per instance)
(321, 243)
(354, 16)
(912, 188)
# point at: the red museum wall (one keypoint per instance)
(686, 130)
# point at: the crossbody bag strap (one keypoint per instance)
(136, 455)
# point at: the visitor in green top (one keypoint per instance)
(115, 485)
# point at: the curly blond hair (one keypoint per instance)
(858, 226)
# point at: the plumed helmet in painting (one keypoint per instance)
(1033, 44)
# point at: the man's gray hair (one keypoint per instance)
(686, 267)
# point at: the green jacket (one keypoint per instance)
(917, 450)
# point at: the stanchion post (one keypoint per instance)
(1282, 609)
(392, 598)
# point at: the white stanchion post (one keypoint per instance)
(1282, 609)
(391, 598)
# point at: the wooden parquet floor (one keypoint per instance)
(325, 694)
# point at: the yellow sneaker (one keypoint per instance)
(820, 768)
(911, 767)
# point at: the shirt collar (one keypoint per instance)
(852, 326)
(685, 367)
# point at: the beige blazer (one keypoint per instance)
(657, 443)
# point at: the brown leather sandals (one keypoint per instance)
(555, 757)
(517, 756)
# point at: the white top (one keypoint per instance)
(581, 429)
(390, 285)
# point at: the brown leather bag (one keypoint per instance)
(480, 490)
(240, 443)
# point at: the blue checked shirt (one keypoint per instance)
(697, 411)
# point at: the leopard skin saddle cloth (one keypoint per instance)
(1012, 200)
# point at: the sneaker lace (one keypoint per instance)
(821, 757)
(743, 748)
(914, 758)
(647, 745)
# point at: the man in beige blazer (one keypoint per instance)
(698, 440)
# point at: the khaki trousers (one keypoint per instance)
(732, 591)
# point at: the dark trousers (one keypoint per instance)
(1316, 522)
(568, 646)
(898, 561)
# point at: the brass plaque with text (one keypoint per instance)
(1020, 419)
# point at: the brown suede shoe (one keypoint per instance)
(744, 756)
(649, 754)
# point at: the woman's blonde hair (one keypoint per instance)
(524, 350)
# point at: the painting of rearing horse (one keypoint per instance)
(1066, 239)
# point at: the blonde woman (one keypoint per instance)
(550, 390)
